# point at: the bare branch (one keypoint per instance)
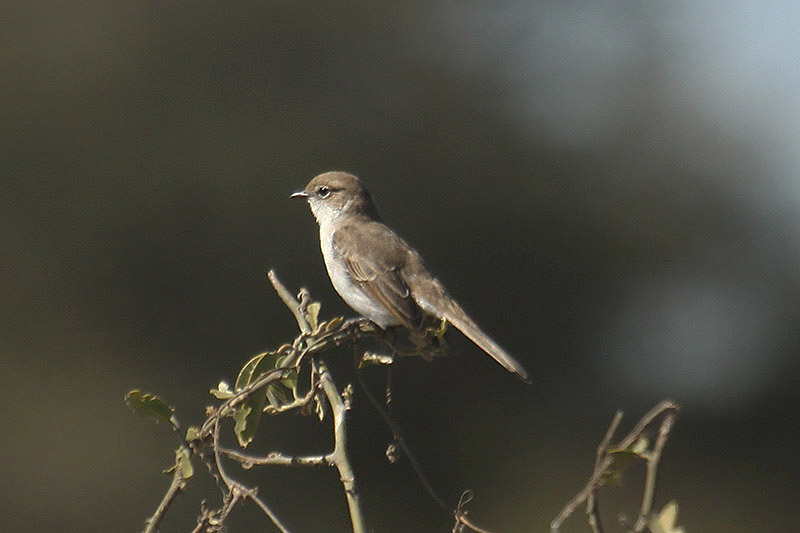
(460, 513)
(602, 448)
(290, 301)
(275, 458)
(177, 485)
(398, 437)
(340, 404)
(604, 463)
(653, 459)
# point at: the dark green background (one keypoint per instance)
(610, 188)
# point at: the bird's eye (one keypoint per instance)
(323, 192)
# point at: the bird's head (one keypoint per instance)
(335, 193)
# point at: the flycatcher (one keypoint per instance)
(376, 272)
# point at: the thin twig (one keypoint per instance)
(653, 459)
(398, 437)
(339, 407)
(602, 448)
(290, 301)
(275, 458)
(603, 462)
(267, 511)
(459, 514)
(236, 489)
(662, 407)
(177, 485)
(298, 403)
(207, 443)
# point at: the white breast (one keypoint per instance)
(344, 285)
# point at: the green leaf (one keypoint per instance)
(256, 366)
(247, 416)
(222, 392)
(246, 419)
(149, 406)
(183, 464)
(290, 381)
(312, 315)
(276, 396)
(192, 433)
(664, 522)
(621, 458)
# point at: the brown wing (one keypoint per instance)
(375, 257)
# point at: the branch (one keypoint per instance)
(460, 513)
(178, 484)
(397, 433)
(653, 459)
(340, 404)
(605, 466)
(236, 490)
(262, 387)
(275, 458)
(591, 501)
(290, 301)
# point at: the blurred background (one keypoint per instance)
(612, 189)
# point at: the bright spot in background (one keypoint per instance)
(699, 341)
(556, 69)
(573, 73)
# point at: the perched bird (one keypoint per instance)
(376, 272)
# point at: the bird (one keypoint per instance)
(376, 272)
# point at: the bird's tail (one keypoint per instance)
(463, 323)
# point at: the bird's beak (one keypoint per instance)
(299, 194)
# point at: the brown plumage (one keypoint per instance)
(376, 272)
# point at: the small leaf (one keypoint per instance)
(664, 522)
(240, 415)
(373, 359)
(192, 433)
(149, 405)
(290, 381)
(222, 392)
(620, 459)
(247, 415)
(184, 463)
(254, 368)
(312, 315)
(641, 445)
(276, 396)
